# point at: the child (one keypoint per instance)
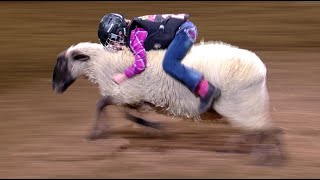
(173, 32)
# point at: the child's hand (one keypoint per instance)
(119, 78)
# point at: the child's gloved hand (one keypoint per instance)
(119, 78)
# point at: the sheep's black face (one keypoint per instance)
(62, 77)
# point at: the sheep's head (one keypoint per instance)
(70, 65)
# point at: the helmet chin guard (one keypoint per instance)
(114, 42)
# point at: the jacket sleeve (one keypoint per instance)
(137, 38)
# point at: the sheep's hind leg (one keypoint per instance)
(267, 147)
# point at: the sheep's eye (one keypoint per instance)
(81, 57)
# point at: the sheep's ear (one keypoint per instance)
(78, 56)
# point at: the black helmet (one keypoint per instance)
(112, 29)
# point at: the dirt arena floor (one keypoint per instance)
(42, 134)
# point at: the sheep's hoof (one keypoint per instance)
(268, 148)
(156, 125)
(98, 134)
(267, 156)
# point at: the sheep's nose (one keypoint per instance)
(61, 85)
(53, 85)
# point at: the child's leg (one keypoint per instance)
(191, 78)
(176, 51)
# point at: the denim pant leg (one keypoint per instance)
(176, 51)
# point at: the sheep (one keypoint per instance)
(239, 73)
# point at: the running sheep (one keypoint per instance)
(239, 73)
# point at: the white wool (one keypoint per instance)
(239, 73)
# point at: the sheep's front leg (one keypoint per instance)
(143, 122)
(99, 129)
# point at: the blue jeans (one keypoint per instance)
(177, 50)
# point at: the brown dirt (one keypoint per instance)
(42, 134)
